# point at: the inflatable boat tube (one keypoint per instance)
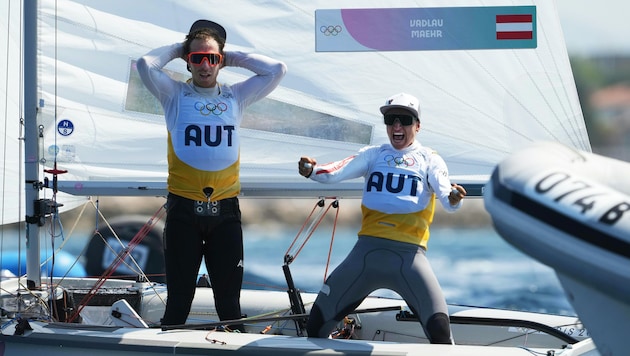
(568, 209)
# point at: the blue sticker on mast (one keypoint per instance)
(65, 127)
(420, 29)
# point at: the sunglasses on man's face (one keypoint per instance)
(405, 120)
(197, 58)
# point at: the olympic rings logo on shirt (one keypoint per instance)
(330, 30)
(399, 161)
(211, 108)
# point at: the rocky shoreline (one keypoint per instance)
(268, 212)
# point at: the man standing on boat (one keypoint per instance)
(402, 181)
(203, 119)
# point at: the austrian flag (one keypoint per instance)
(515, 27)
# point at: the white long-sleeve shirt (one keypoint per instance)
(399, 191)
(204, 123)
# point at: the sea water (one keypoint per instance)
(474, 266)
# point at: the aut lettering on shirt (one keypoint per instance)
(203, 135)
(393, 183)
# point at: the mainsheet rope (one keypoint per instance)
(314, 223)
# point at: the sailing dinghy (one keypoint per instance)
(492, 76)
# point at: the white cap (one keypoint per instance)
(404, 101)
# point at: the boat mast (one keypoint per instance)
(31, 145)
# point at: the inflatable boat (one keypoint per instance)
(570, 210)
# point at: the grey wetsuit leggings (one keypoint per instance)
(376, 263)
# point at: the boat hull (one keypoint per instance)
(381, 326)
(54, 339)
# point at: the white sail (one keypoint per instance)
(12, 133)
(478, 105)
(10, 183)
